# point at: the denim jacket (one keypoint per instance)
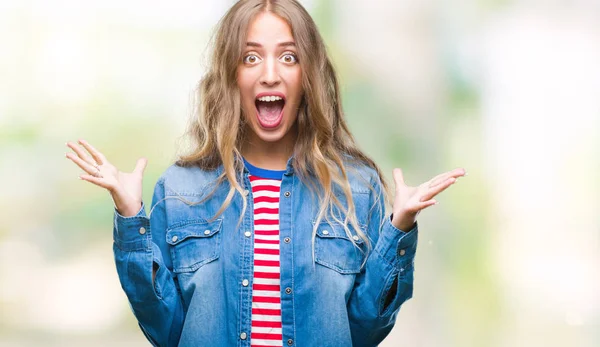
(202, 291)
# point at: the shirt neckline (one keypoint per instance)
(264, 173)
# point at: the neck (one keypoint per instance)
(269, 155)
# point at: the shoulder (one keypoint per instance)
(187, 180)
(362, 178)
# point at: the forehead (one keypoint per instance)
(268, 28)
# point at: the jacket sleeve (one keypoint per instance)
(139, 246)
(386, 280)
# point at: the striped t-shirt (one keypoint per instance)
(266, 290)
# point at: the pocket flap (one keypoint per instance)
(336, 230)
(192, 228)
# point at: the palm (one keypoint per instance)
(131, 182)
(125, 187)
(405, 197)
(409, 201)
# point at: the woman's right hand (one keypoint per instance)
(125, 188)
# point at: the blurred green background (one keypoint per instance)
(509, 90)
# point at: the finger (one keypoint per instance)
(417, 207)
(140, 166)
(80, 153)
(98, 157)
(440, 178)
(425, 204)
(431, 192)
(85, 166)
(398, 177)
(444, 176)
(95, 180)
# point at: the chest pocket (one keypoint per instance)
(333, 248)
(194, 243)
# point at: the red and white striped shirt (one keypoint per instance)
(266, 290)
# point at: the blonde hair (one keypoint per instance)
(324, 149)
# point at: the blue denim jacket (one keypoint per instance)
(202, 294)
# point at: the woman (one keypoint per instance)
(272, 231)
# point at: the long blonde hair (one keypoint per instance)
(324, 148)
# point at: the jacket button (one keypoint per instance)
(243, 336)
(246, 192)
(325, 232)
(288, 290)
(142, 230)
(287, 240)
(245, 283)
(206, 232)
(287, 194)
(355, 237)
(174, 238)
(402, 252)
(247, 234)
(290, 342)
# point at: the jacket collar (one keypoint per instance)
(289, 167)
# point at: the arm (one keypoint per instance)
(386, 280)
(144, 269)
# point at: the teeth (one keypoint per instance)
(269, 98)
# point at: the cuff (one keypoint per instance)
(132, 233)
(396, 246)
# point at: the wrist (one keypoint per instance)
(403, 222)
(128, 210)
(124, 205)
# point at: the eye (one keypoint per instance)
(251, 59)
(289, 58)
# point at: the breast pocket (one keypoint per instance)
(194, 243)
(333, 248)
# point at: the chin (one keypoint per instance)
(270, 135)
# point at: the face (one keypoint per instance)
(269, 79)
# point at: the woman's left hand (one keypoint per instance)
(409, 201)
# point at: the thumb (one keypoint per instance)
(140, 166)
(398, 177)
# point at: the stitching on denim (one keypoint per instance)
(292, 251)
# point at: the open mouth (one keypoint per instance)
(269, 109)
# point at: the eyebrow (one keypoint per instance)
(282, 44)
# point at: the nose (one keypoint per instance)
(270, 74)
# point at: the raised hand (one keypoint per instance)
(409, 201)
(125, 188)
